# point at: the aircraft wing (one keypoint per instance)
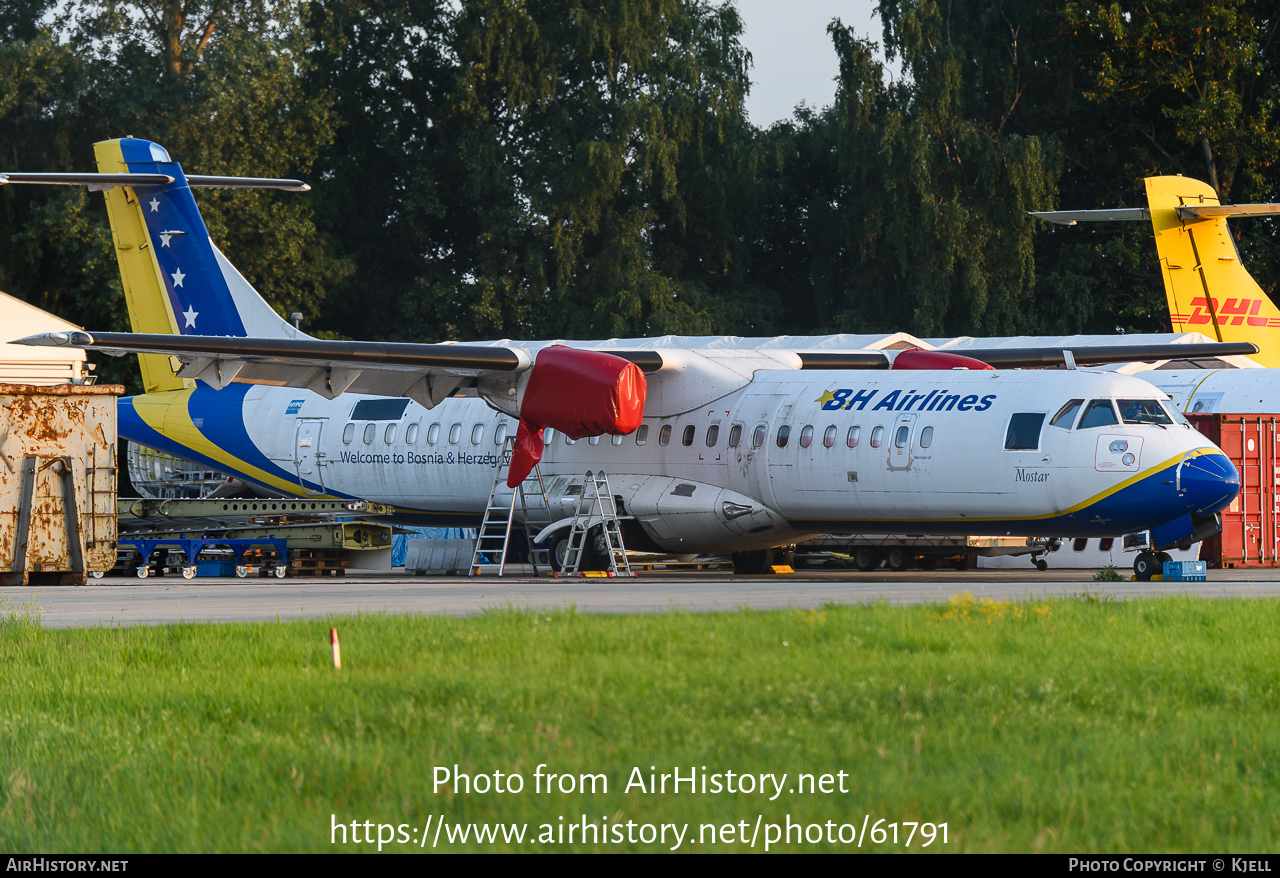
(331, 367)
(425, 372)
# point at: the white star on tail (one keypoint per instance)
(178, 277)
(155, 204)
(191, 314)
(164, 239)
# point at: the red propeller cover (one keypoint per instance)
(580, 394)
(919, 358)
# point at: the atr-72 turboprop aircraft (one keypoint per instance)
(711, 450)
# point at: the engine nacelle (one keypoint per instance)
(580, 394)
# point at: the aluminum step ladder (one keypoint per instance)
(596, 505)
(494, 536)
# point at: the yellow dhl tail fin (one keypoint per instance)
(150, 309)
(1208, 289)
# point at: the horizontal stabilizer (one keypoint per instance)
(203, 181)
(1031, 358)
(1209, 211)
(99, 182)
(93, 181)
(1071, 217)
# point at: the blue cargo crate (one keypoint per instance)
(1186, 571)
(216, 567)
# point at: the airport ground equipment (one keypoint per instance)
(283, 537)
(898, 552)
(596, 508)
(493, 539)
(57, 482)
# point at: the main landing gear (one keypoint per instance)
(1148, 564)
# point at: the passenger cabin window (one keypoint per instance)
(348, 433)
(1098, 414)
(1024, 431)
(713, 435)
(369, 431)
(433, 434)
(568, 441)
(500, 434)
(806, 436)
(757, 438)
(900, 437)
(548, 435)
(664, 435)
(616, 440)
(829, 437)
(784, 433)
(687, 439)
(852, 439)
(1143, 411)
(1066, 415)
(411, 434)
(1081, 543)
(455, 434)
(594, 440)
(926, 437)
(735, 435)
(1106, 543)
(390, 435)
(642, 435)
(477, 434)
(877, 437)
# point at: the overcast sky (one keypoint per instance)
(793, 58)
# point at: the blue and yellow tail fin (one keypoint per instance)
(175, 280)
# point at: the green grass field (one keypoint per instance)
(1073, 725)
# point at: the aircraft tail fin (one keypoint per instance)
(176, 281)
(1207, 287)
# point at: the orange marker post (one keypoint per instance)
(337, 652)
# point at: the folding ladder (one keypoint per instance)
(494, 536)
(596, 505)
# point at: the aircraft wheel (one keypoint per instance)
(97, 574)
(189, 572)
(1042, 565)
(1145, 566)
(928, 562)
(961, 563)
(897, 560)
(750, 563)
(866, 558)
(558, 550)
(242, 571)
(282, 571)
(143, 572)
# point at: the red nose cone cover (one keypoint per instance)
(918, 358)
(580, 394)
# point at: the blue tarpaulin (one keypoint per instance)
(400, 542)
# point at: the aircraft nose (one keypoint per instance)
(1207, 483)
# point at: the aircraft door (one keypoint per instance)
(902, 442)
(308, 458)
(749, 462)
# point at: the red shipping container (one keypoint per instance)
(1249, 534)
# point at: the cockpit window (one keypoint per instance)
(1098, 414)
(1143, 411)
(1066, 415)
(1024, 431)
(1173, 412)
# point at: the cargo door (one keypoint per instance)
(307, 457)
(749, 462)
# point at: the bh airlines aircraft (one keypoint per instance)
(711, 450)
(1208, 290)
